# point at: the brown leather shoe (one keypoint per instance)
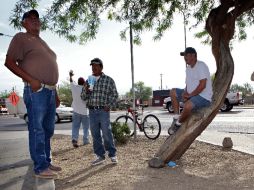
(55, 168)
(46, 174)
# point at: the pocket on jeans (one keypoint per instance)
(39, 90)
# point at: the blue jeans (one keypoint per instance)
(197, 101)
(100, 122)
(77, 119)
(41, 110)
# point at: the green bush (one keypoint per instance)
(121, 132)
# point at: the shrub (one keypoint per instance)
(121, 132)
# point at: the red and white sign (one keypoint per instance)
(14, 98)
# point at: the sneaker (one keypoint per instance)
(55, 168)
(171, 130)
(114, 160)
(98, 160)
(177, 124)
(46, 174)
(174, 128)
(74, 143)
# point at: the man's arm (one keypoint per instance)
(13, 67)
(57, 100)
(198, 90)
(71, 74)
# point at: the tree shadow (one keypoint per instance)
(81, 176)
(179, 179)
(62, 151)
(230, 112)
(19, 164)
(14, 175)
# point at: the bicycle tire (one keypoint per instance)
(152, 127)
(126, 119)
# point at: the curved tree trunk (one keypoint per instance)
(220, 26)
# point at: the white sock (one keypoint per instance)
(178, 123)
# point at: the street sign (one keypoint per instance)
(14, 98)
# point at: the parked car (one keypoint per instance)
(3, 110)
(232, 98)
(62, 113)
(168, 105)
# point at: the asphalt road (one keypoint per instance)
(238, 120)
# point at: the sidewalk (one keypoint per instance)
(16, 168)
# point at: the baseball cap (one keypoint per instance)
(28, 13)
(96, 61)
(190, 50)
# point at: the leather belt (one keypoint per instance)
(96, 107)
(50, 87)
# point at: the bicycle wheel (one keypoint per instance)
(152, 126)
(128, 120)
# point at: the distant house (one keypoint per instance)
(3, 109)
(158, 97)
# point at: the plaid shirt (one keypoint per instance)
(104, 92)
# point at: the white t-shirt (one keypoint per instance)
(78, 105)
(194, 75)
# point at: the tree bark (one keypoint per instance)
(220, 25)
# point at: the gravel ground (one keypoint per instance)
(203, 166)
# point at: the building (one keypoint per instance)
(158, 97)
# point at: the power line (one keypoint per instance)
(2, 34)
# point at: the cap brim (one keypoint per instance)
(95, 63)
(182, 53)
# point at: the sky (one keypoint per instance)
(153, 60)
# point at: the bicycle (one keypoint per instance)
(150, 125)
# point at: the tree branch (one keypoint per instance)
(242, 6)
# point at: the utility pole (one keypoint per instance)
(161, 81)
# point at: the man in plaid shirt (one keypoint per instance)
(102, 96)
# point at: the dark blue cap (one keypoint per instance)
(96, 61)
(190, 50)
(27, 14)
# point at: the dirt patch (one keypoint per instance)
(203, 166)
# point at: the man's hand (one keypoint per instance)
(57, 101)
(35, 85)
(71, 74)
(186, 96)
(86, 85)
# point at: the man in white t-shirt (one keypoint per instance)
(80, 112)
(198, 91)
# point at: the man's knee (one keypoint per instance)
(188, 106)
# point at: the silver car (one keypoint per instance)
(62, 113)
